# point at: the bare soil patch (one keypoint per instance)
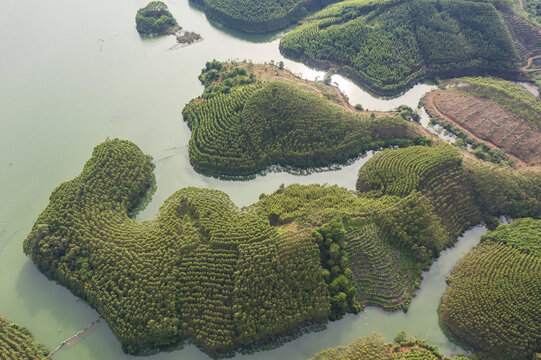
(488, 121)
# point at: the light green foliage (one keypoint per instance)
(389, 45)
(436, 176)
(155, 19)
(16, 342)
(512, 96)
(524, 234)
(493, 301)
(374, 347)
(194, 272)
(241, 126)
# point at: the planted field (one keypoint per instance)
(384, 277)
(16, 342)
(493, 301)
(387, 46)
(504, 114)
(488, 121)
(246, 121)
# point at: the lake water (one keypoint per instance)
(75, 73)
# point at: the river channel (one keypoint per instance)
(76, 72)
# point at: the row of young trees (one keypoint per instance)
(241, 126)
(16, 342)
(389, 45)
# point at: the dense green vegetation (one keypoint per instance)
(16, 342)
(511, 96)
(524, 234)
(437, 180)
(384, 276)
(374, 347)
(242, 125)
(388, 45)
(533, 9)
(493, 301)
(202, 269)
(259, 15)
(155, 19)
(331, 239)
(228, 277)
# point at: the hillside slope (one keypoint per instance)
(245, 122)
(387, 46)
(493, 301)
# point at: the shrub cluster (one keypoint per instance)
(155, 19)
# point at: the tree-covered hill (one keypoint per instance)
(388, 45)
(155, 19)
(227, 277)
(493, 301)
(259, 16)
(246, 121)
(16, 342)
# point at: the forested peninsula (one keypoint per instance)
(251, 117)
(493, 301)
(16, 342)
(226, 277)
(388, 45)
(259, 16)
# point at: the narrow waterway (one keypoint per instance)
(75, 73)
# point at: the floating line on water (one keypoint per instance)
(77, 337)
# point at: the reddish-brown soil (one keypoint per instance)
(273, 73)
(488, 121)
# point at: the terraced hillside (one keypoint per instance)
(493, 301)
(375, 347)
(259, 16)
(501, 113)
(460, 191)
(525, 35)
(247, 121)
(384, 276)
(16, 342)
(387, 46)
